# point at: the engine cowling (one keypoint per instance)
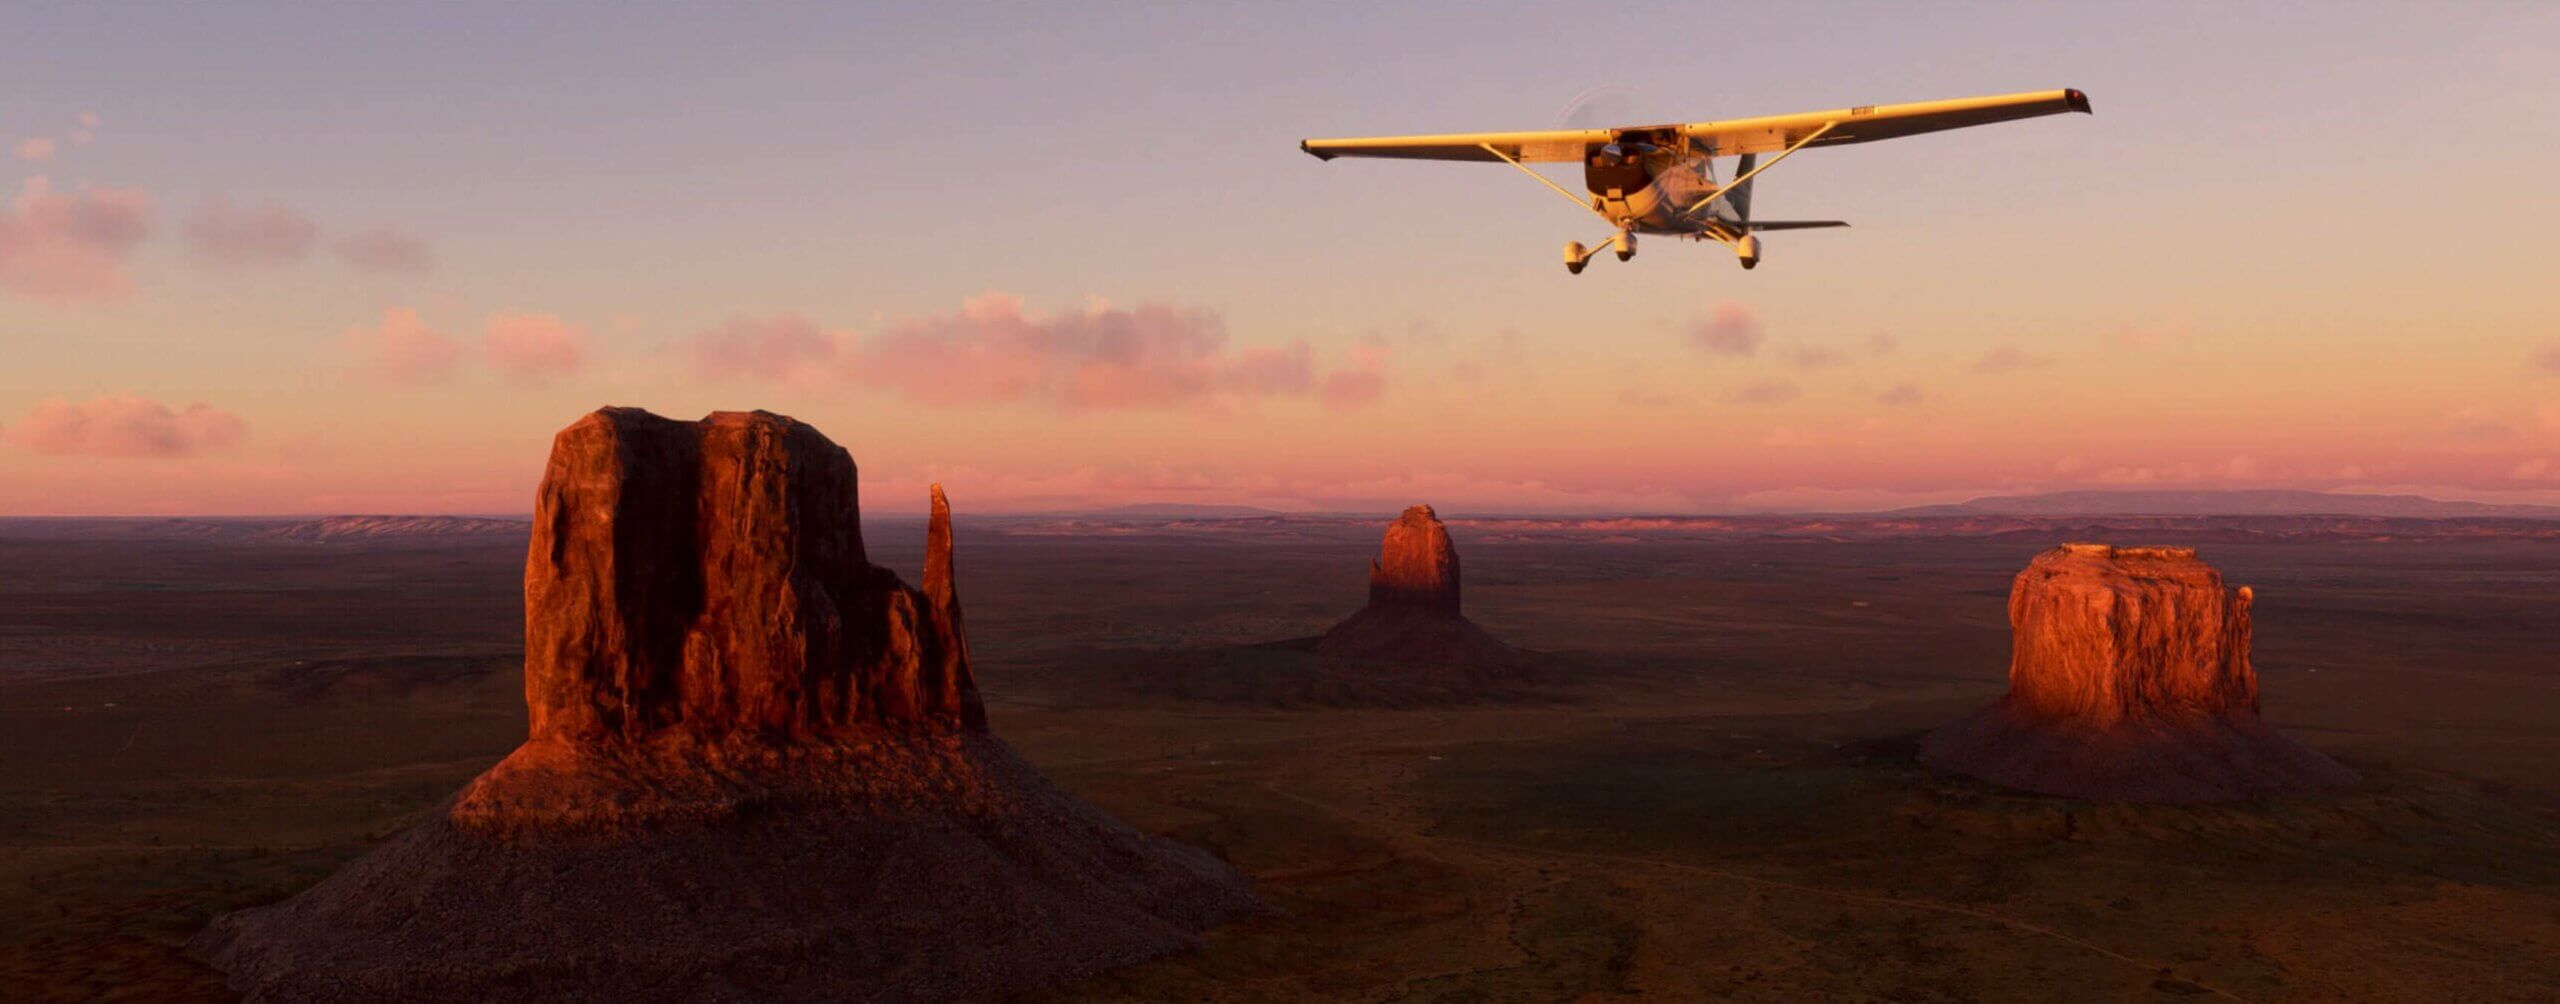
(1748, 249)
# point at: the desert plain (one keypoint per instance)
(1705, 789)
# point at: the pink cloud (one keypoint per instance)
(35, 149)
(1262, 369)
(383, 249)
(782, 349)
(2547, 359)
(1731, 329)
(2162, 335)
(269, 233)
(534, 348)
(1814, 357)
(70, 247)
(1015, 489)
(123, 426)
(1902, 393)
(1360, 385)
(991, 351)
(1768, 392)
(87, 129)
(1353, 388)
(401, 350)
(2009, 358)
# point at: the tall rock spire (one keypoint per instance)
(1416, 565)
(1413, 616)
(951, 638)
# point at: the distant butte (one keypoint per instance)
(2129, 680)
(758, 769)
(1413, 614)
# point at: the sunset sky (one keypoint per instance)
(302, 258)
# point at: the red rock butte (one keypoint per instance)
(1413, 615)
(758, 768)
(2129, 680)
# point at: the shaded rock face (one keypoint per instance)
(758, 769)
(1413, 615)
(2129, 680)
(708, 578)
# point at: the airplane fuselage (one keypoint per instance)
(1657, 190)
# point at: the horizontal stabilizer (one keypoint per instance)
(1759, 225)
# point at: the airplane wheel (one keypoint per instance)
(1749, 264)
(1575, 267)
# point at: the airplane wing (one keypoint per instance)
(1724, 139)
(1556, 146)
(1873, 122)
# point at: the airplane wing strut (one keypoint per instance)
(1756, 169)
(1542, 179)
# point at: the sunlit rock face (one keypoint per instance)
(1413, 615)
(2129, 680)
(758, 769)
(1416, 566)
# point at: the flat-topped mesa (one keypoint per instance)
(2100, 634)
(1416, 565)
(708, 580)
(2129, 680)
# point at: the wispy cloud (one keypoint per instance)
(992, 351)
(781, 349)
(383, 249)
(1730, 329)
(1360, 384)
(267, 233)
(1902, 394)
(1767, 392)
(401, 350)
(35, 149)
(70, 247)
(1815, 357)
(123, 426)
(533, 348)
(2009, 359)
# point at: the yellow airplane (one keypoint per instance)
(1661, 179)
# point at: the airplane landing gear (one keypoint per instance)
(1623, 244)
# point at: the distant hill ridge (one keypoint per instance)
(336, 528)
(2258, 502)
(379, 530)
